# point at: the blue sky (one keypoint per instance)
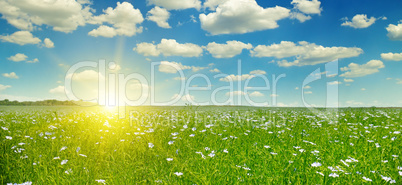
(41, 40)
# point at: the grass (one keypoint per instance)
(231, 145)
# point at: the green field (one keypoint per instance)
(205, 145)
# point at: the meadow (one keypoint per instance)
(200, 145)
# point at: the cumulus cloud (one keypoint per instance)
(124, 20)
(307, 6)
(212, 4)
(228, 50)
(215, 70)
(172, 67)
(299, 16)
(21, 38)
(355, 70)
(147, 49)
(304, 53)
(35, 60)
(359, 21)
(58, 90)
(395, 31)
(392, 56)
(235, 93)
(62, 15)
(348, 80)
(159, 16)
(334, 83)
(4, 87)
(256, 94)
(103, 31)
(176, 4)
(18, 57)
(11, 75)
(232, 77)
(169, 47)
(48, 43)
(242, 16)
(258, 72)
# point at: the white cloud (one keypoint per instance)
(228, 50)
(58, 90)
(274, 95)
(170, 67)
(21, 38)
(242, 16)
(233, 77)
(124, 19)
(197, 68)
(212, 4)
(392, 56)
(11, 75)
(355, 70)
(334, 83)
(35, 60)
(395, 31)
(398, 81)
(4, 87)
(216, 70)
(18, 57)
(169, 47)
(360, 21)
(62, 15)
(304, 52)
(235, 93)
(147, 49)
(186, 97)
(308, 92)
(306, 87)
(159, 16)
(103, 31)
(256, 94)
(307, 7)
(299, 16)
(348, 80)
(258, 72)
(48, 43)
(176, 4)
(363, 89)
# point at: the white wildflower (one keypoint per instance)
(333, 175)
(367, 179)
(63, 162)
(319, 173)
(178, 173)
(316, 164)
(101, 181)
